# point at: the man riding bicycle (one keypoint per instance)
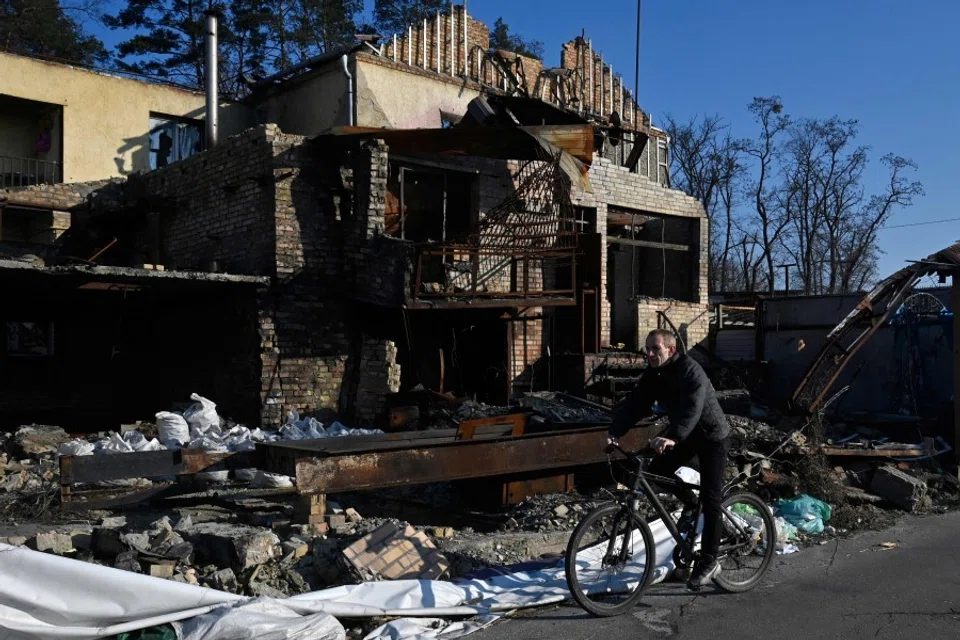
(697, 428)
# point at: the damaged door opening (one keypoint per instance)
(429, 205)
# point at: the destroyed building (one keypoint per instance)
(509, 225)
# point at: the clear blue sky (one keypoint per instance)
(892, 65)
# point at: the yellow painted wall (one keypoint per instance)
(389, 97)
(309, 105)
(106, 119)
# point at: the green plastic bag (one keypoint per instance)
(805, 512)
(744, 509)
(164, 632)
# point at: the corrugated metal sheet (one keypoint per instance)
(736, 344)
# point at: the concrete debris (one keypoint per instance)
(390, 553)
(53, 542)
(39, 439)
(898, 488)
(113, 522)
(157, 568)
(296, 548)
(224, 580)
(352, 515)
(128, 561)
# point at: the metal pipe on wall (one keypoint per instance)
(438, 43)
(465, 71)
(210, 77)
(345, 60)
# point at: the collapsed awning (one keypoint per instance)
(576, 142)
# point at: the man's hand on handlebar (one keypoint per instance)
(662, 444)
(611, 445)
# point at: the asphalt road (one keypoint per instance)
(849, 589)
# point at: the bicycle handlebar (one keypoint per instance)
(646, 452)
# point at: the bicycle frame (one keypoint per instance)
(641, 486)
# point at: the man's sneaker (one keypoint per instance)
(704, 571)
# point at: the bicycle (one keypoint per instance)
(623, 552)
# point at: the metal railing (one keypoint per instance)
(26, 172)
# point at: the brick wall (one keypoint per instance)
(60, 197)
(578, 55)
(615, 186)
(216, 206)
(410, 43)
(379, 375)
(692, 320)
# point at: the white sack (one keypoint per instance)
(174, 430)
(76, 448)
(139, 442)
(264, 480)
(202, 416)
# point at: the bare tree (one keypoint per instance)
(794, 192)
(770, 221)
(707, 166)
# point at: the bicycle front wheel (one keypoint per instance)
(610, 560)
(747, 544)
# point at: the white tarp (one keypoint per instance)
(43, 596)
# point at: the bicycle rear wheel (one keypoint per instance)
(608, 565)
(747, 544)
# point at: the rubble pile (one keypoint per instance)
(29, 474)
(552, 512)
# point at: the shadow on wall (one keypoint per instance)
(304, 367)
(137, 151)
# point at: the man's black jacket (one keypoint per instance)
(683, 389)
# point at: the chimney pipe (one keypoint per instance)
(210, 81)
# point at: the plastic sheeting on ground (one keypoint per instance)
(45, 597)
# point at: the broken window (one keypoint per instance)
(437, 205)
(663, 165)
(173, 139)
(31, 339)
(653, 256)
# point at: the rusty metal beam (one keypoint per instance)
(459, 461)
(148, 464)
(617, 219)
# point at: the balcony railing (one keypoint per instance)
(26, 172)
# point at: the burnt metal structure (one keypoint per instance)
(496, 446)
(858, 327)
(323, 471)
(517, 248)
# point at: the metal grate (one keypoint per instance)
(26, 172)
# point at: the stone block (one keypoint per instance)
(898, 488)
